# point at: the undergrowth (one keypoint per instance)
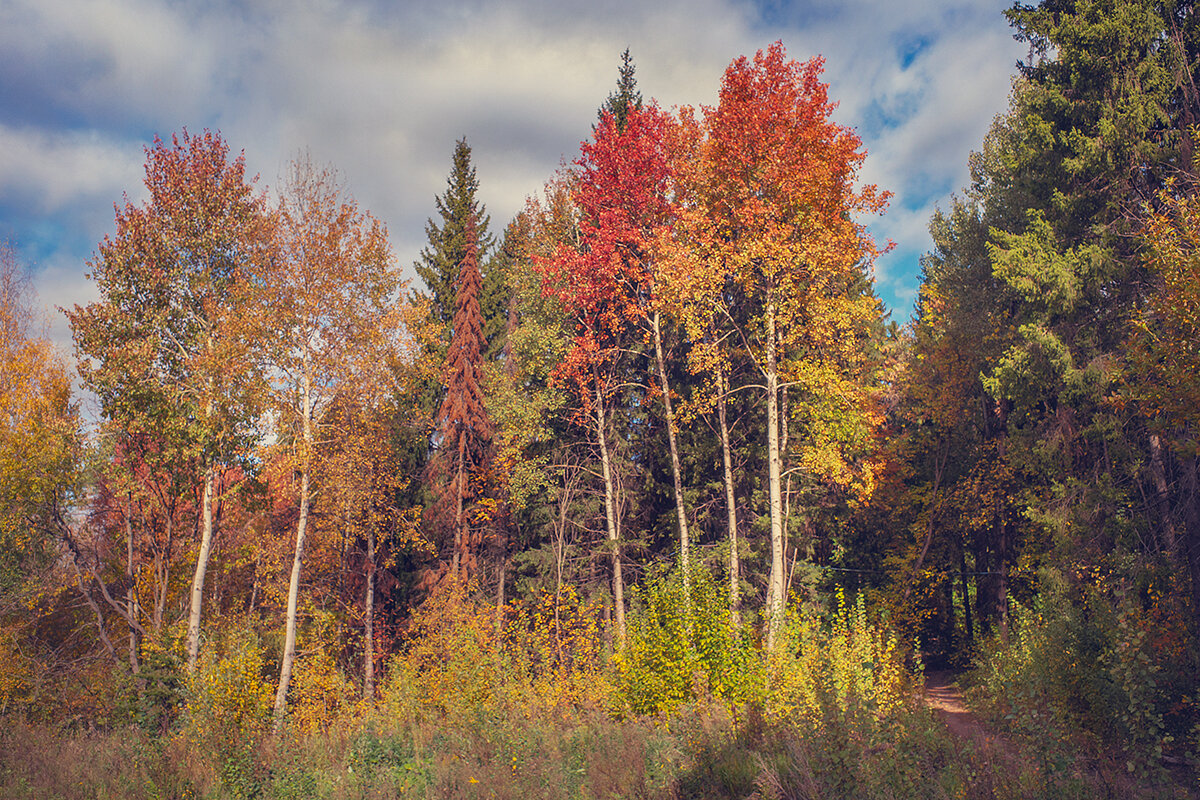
(529, 704)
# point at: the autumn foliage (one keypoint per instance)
(648, 499)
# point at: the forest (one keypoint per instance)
(642, 493)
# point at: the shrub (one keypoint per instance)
(683, 646)
(1099, 671)
(228, 710)
(451, 664)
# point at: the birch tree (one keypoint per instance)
(771, 223)
(328, 299)
(166, 348)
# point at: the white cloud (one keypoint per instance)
(62, 285)
(51, 171)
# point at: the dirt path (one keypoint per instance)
(943, 696)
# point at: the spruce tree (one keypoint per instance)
(465, 431)
(627, 93)
(440, 259)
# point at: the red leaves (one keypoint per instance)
(606, 281)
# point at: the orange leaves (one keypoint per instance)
(39, 445)
(1166, 336)
(781, 173)
(768, 261)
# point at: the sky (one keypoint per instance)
(381, 91)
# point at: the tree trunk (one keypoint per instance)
(369, 621)
(456, 560)
(131, 593)
(289, 644)
(1169, 535)
(680, 511)
(610, 514)
(735, 571)
(983, 586)
(966, 595)
(939, 463)
(1001, 601)
(500, 593)
(775, 581)
(1191, 534)
(206, 536)
(162, 571)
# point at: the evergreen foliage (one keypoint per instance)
(625, 96)
(438, 265)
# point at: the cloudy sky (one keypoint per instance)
(381, 90)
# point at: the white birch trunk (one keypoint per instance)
(680, 511)
(735, 570)
(610, 514)
(289, 644)
(197, 599)
(775, 582)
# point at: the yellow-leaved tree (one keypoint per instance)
(39, 465)
(768, 258)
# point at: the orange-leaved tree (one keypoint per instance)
(768, 251)
(167, 349)
(331, 329)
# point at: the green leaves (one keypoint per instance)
(1031, 264)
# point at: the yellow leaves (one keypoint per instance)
(39, 428)
(230, 698)
(557, 641)
(320, 693)
(16, 671)
(847, 666)
(1165, 339)
(548, 658)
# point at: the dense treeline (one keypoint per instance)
(626, 456)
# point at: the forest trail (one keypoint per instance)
(998, 756)
(943, 695)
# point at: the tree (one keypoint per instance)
(625, 97)
(1034, 293)
(621, 191)
(440, 259)
(1166, 361)
(465, 431)
(363, 479)
(40, 446)
(328, 300)
(589, 369)
(165, 349)
(770, 216)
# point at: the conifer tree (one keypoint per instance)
(439, 263)
(626, 95)
(440, 259)
(464, 428)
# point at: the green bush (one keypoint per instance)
(1103, 671)
(682, 645)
